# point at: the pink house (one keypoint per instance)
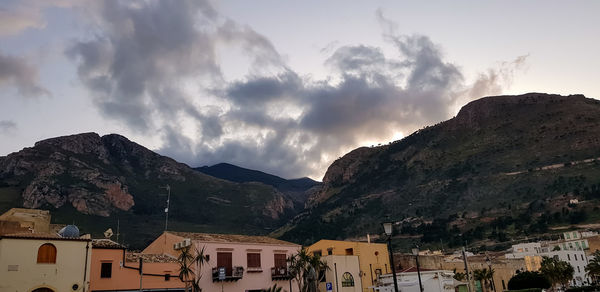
(235, 262)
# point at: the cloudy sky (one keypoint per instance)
(280, 86)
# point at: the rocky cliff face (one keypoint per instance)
(109, 175)
(499, 153)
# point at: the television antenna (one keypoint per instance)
(168, 188)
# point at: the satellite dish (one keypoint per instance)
(69, 231)
(108, 233)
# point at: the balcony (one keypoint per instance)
(231, 274)
(280, 273)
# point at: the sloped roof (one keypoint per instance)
(43, 236)
(237, 238)
(149, 258)
(106, 243)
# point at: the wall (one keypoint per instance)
(124, 278)
(504, 269)
(371, 257)
(342, 264)
(38, 220)
(250, 280)
(68, 270)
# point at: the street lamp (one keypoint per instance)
(389, 231)
(488, 261)
(415, 252)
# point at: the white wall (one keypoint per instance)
(22, 255)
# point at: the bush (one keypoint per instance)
(526, 280)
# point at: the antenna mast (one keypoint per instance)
(167, 208)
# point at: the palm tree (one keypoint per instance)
(480, 275)
(190, 267)
(557, 271)
(300, 266)
(593, 267)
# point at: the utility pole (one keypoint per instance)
(168, 187)
(464, 254)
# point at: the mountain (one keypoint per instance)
(296, 189)
(93, 181)
(504, 168)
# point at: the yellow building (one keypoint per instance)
(373, 258)
(34, 262)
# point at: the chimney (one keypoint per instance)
(368, 238)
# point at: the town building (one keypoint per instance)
(373, 257)
(20, 220)
(504, 268)
(235, 262)
(431, 280)
(343, 274)
(570, 250)
(115, 269)
(38, 262)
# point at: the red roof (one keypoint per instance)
(44, 236)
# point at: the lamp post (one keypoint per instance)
(488, 261)
(389, 230)
(415, 252)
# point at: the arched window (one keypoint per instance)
(347, 280)
(46, 254)
(43, 290)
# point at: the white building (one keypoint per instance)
(577, 259)
(408, 281)
(343, 274)
(569, 251)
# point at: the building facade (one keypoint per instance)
(114, 269)
(32, 262)
(431, 280)
(343, 274)
(235, 262)
(373, 257)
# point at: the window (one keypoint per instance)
(46, 254)
(578, 269)
(329, 251)
(253, 260)
(347, 280)
(280, 261)
(574, 234)
(568, 235)
(224, 260)
(317, 253)
(106, 270)
(568, 257)
(349, 251)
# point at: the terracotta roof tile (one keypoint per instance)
(149, 258)
(237, 238)
(47, 236)
(105, 243)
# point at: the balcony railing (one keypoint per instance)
(231, 274)
(280, 273)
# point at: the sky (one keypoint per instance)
(284, 87)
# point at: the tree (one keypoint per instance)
(459, 276)
(484, 276)
(527, 280)
(593, 267)
(557, 271)
(302, 265)
(190, 267)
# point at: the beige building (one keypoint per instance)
(343, 274)
(504, 268)
(17, 220)
(373, 258)
(33, 262)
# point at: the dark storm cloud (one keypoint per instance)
(17, 72)
(154, 65)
